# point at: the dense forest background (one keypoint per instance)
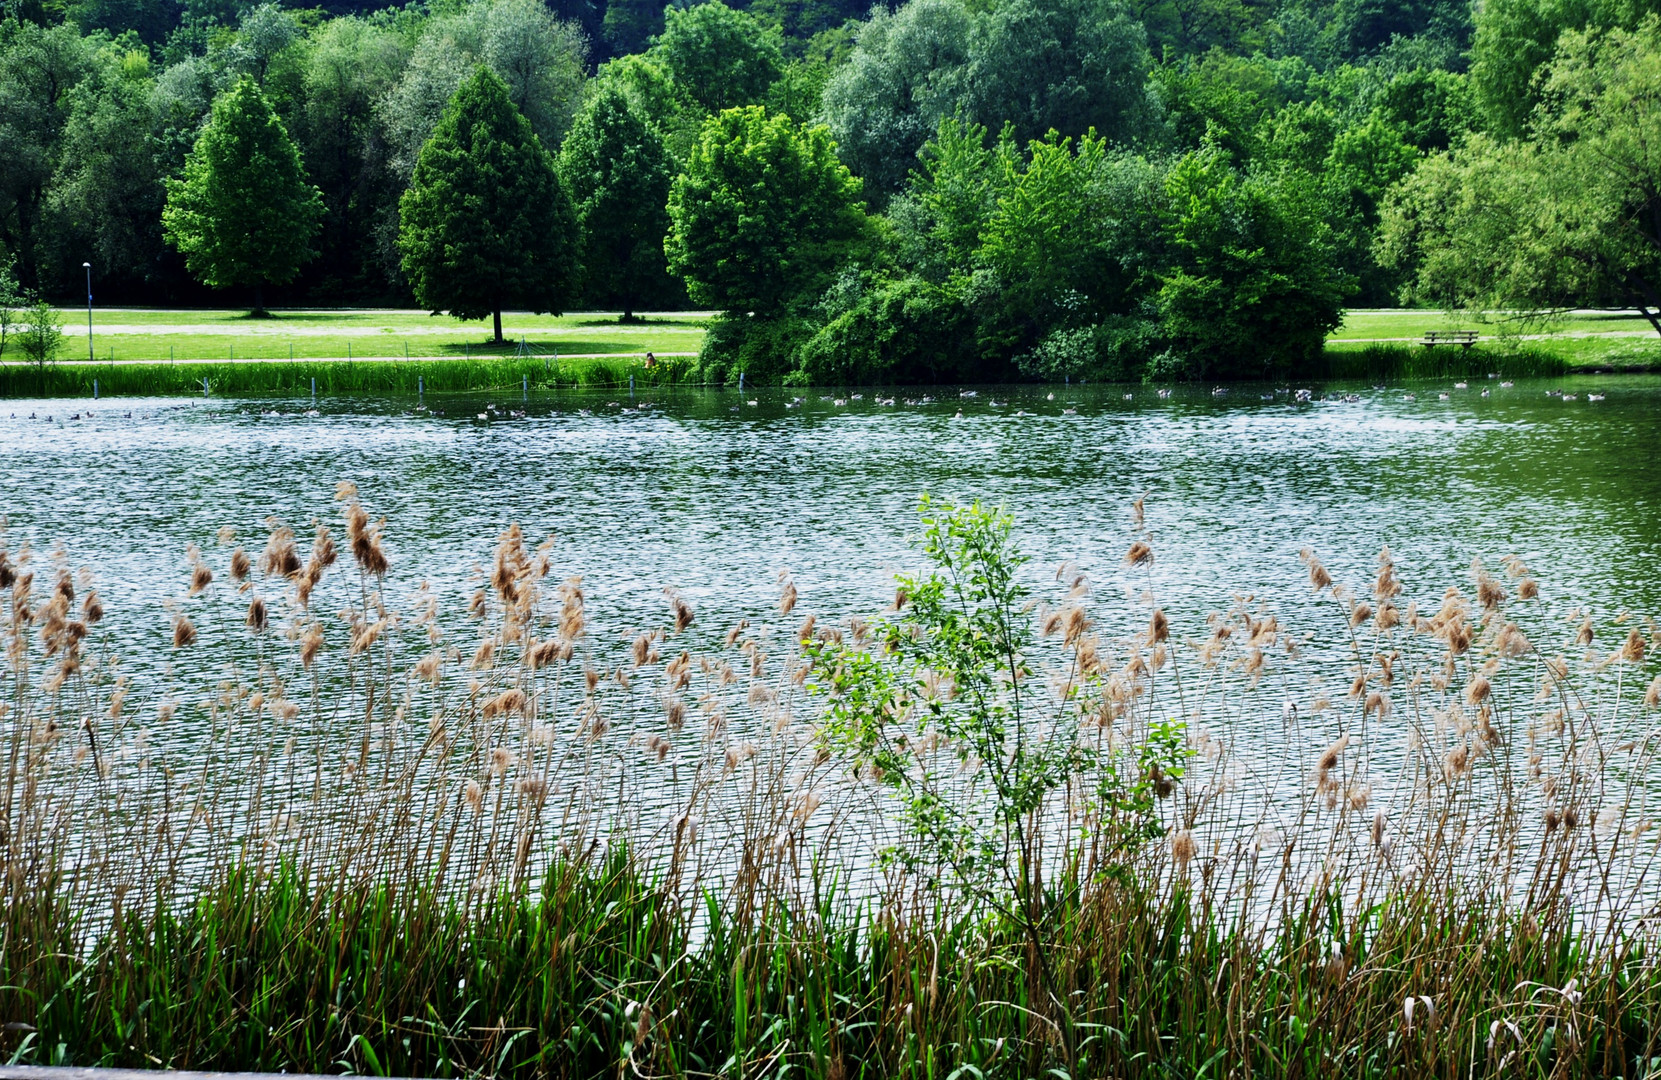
(1042, 187)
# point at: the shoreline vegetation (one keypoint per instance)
(376, 376)
(964, 837)
(162, 354)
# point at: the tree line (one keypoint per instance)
(937, 189)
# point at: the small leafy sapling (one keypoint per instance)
(990, 766)
(11, 298)
(41, 336)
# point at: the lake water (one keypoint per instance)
(705, 492)
(715, 493)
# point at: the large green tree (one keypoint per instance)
(539, 58)
(350, 66)
(618, 171)
(1515, 39)
(243, 213)
(107, 193)
(40, 67)
(907, 73)
(1251, 285)
(1568, 216)
(722, 57)
(1070, 236)
(1067, 65)
(763, 214)
(486, 223)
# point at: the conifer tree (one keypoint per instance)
(618, 171)
(243, 213)
(486, 223)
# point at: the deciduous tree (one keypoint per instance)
(1570, 216)
(1251, 286)
(907, 73)
(1070, 65)
(763, 213)
(723, 58)
(40, 66)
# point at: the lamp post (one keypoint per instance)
(90, 357)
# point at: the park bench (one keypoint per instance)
(1462, 338)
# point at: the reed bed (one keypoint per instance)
(1386, 361)
(1002, 827)
(296, 377)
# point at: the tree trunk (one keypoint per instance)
(259, 298)
(1649, 299)
(498, 326)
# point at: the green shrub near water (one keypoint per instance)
(335, 377)
(726, 356)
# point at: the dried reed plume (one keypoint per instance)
(364, 538)
(280, 557)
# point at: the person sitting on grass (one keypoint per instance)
(651, 361)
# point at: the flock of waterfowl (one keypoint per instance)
(1288, 394)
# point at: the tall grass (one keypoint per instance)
(343, 827)
(1387, 361)
(295, 377)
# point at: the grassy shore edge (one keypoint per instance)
(1373, 362)
(298, 377)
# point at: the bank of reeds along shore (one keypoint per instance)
(295, 378)
(1396, 361)
(330, 823)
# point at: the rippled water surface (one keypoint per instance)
(716, 493)
(708, 492)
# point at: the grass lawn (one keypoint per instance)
(225, 340)
(1618, 340)
(1410, 325)
(121, 334)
